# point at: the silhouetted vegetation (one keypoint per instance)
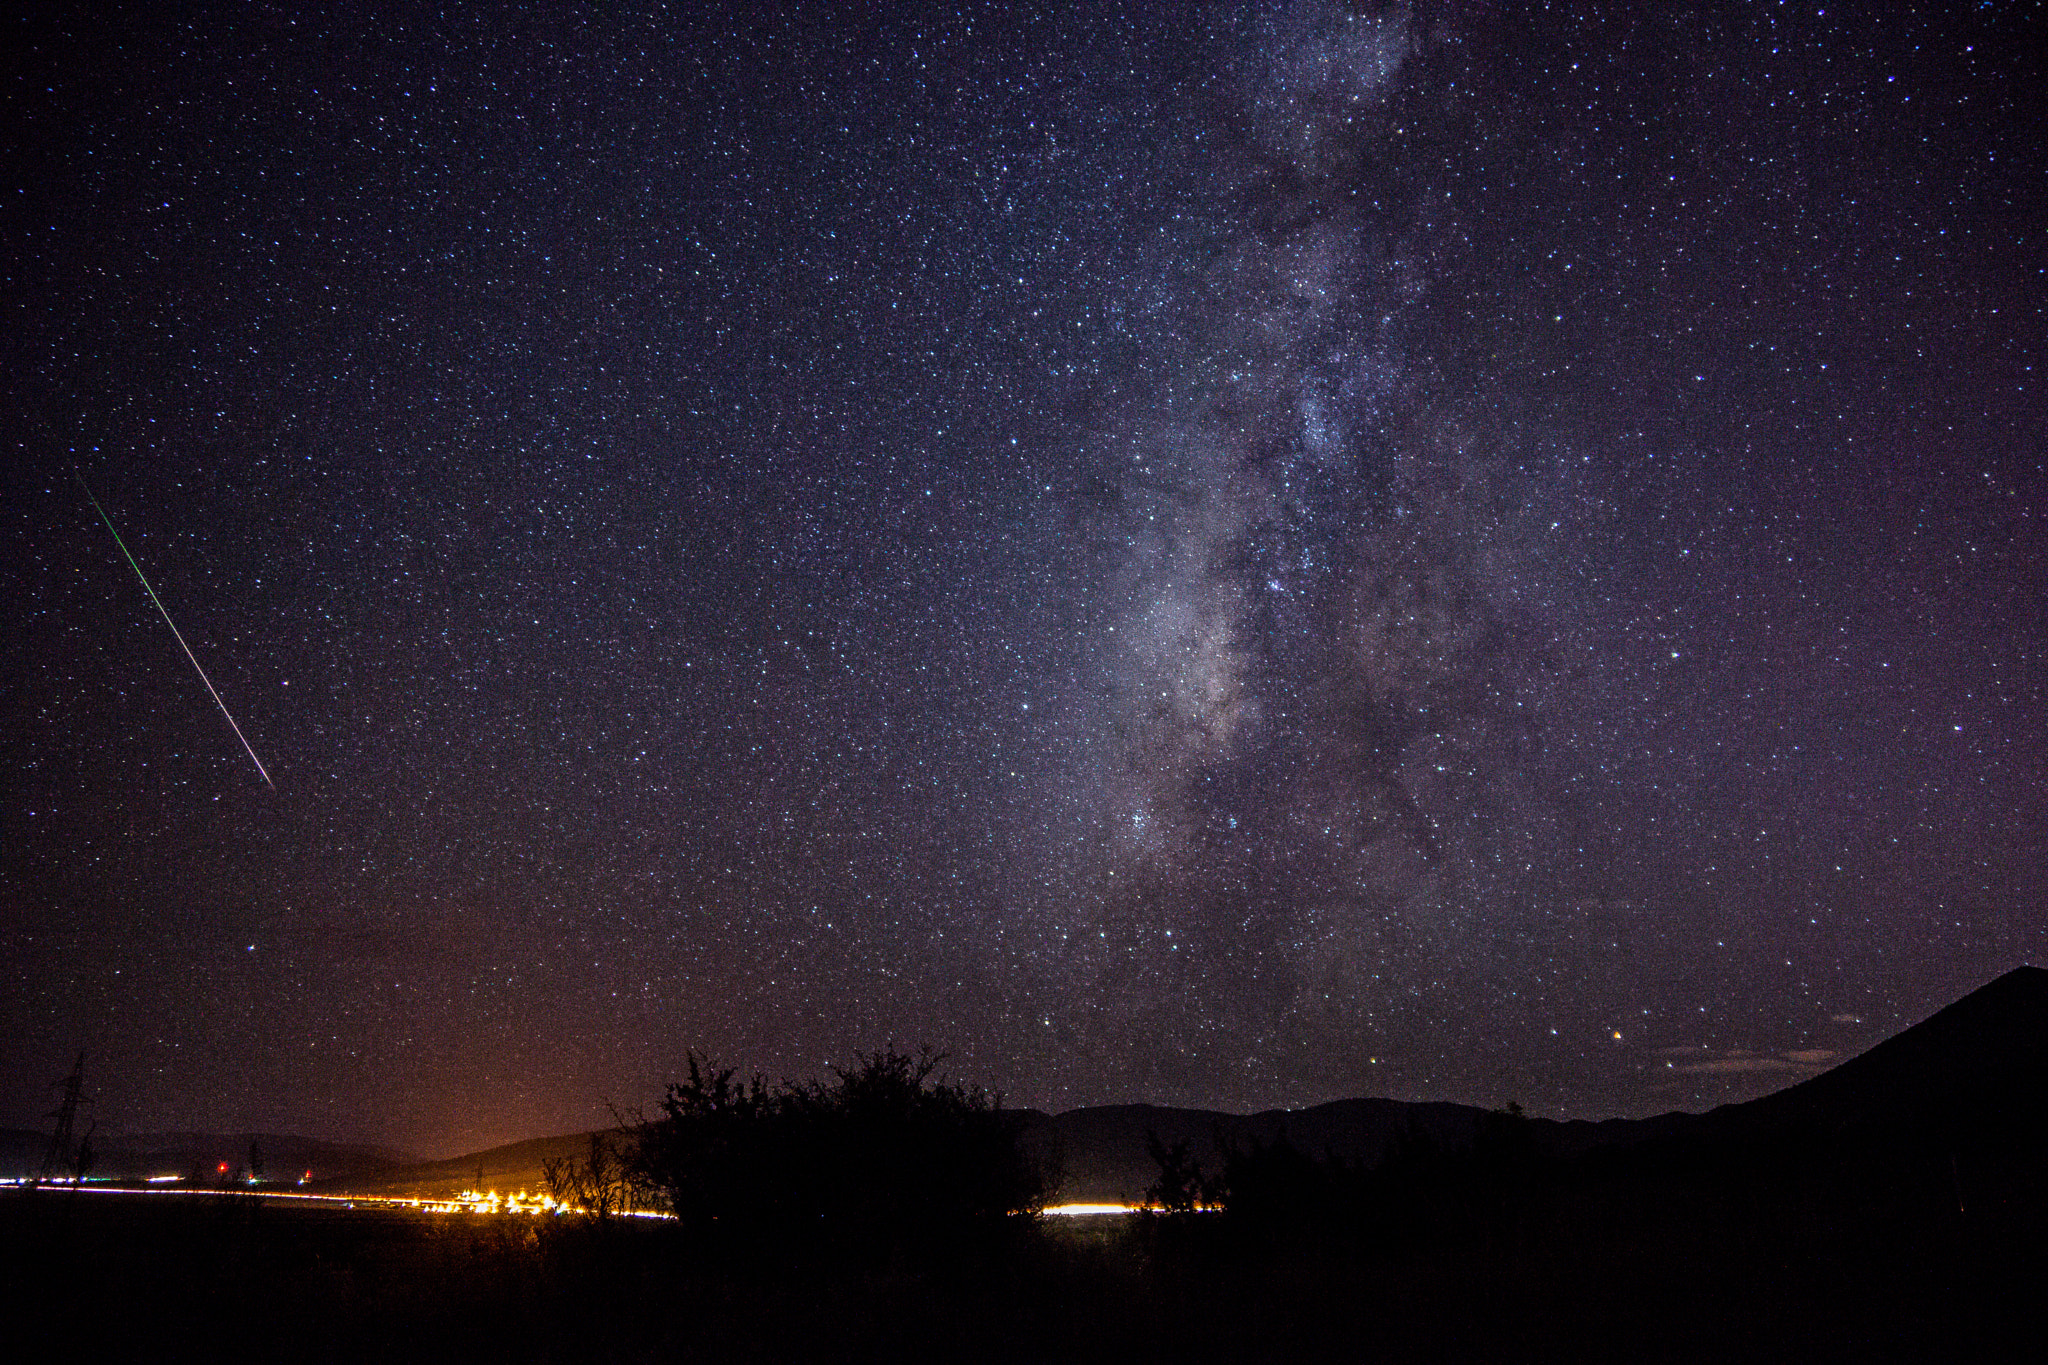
(1181, 1187)
(885, 1156)
(1255, 1195)
(599, 1183)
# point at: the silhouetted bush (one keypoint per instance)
(1275, 1186)
(885, 1157)
(1264, 1194)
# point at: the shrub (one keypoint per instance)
(885, 1156)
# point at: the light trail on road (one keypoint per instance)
(469, 1201)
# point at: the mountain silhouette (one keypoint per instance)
(141, 1156)
(513, 1166)
(1103, 1154)
(1948, 1114)
(1967, 1086)
(1978, 1064)
(1961, 1096)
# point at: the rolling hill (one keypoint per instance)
(1963, 1095)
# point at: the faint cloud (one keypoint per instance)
(1803, 1061)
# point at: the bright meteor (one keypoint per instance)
(176, 633)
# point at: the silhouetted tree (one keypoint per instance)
(1506, 1142)
(600, 1183)
(885, 1155)
(1181, 1187)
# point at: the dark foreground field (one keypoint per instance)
(1656, 1272)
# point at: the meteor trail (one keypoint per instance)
(174, 631)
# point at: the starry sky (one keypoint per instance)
(1228, 555)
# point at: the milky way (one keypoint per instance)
(1304, 550)
(1331, 644)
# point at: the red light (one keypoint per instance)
(223, 1166)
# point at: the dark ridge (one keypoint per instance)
(1979, 1061)
(513, 1166)
(1946, 1115)
(1104, 1158)
(1974, 1076)
(1966, 1087)
(139, 1156)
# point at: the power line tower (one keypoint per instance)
(58, 1158)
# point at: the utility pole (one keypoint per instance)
(58, 1158)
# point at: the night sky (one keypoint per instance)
(1228, 556)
